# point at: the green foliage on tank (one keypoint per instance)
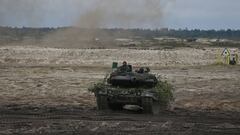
(165, 92)
(163, 88)
(96, 87)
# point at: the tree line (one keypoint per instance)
(38, 33)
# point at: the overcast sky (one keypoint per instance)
(200, 14)
(205, 14)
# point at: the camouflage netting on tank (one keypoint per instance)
(163, 88)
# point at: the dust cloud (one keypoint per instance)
(124, 14)
(110, 14)
(91, 14)
(87, 14)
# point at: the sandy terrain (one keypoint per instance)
(105, 57)
(44, 91)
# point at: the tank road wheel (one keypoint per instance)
(102, 102)
(150, 106)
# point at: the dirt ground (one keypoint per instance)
(52, 98)
(55, 100)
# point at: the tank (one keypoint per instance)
(128, 88)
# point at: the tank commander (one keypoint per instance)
(124, 68)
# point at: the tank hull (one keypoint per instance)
(118, 97)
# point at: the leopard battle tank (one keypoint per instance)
(128, 88)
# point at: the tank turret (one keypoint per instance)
(139, 78)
